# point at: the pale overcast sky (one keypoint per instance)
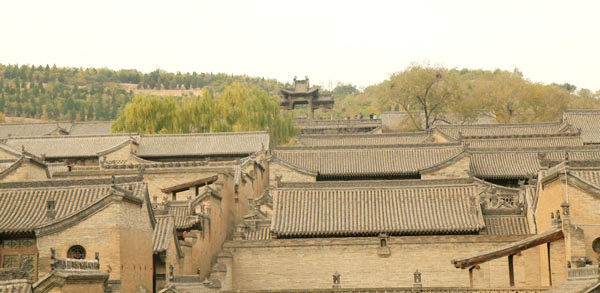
(359, 42)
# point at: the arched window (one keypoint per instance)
(596, 245)
(76, 252)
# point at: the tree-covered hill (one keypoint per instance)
(65, 93)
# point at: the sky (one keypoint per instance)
(357, 42)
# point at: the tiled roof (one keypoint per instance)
(67, 146)
(90, 128)
(506, 225)
(51, 128)
(24, 209)
(590, 175)
(364, 139)
(526, 142)
(164, 231)
(182, 214)
(586, 120)
(363, 212)
(504, 165)
(336, 124)
(30, 129)
(370, 161)
(491, 130)
(260, 233)
(203, 144)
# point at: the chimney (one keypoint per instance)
(50, 209)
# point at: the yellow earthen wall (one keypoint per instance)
(310, 263)
(287, 175)
(27, 171)
(458, 169)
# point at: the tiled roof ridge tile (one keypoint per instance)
(487, 125)
(393, 134)
(70, 183)
(540, 136)
(397, 187)
(144, 135)
(582, 111)
(366, 146)
(377, 183)
(582, 148)
(70, 136)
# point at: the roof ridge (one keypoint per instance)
(363, 135)
(206, 133)
(367, 146)
(70, 136)
(499, 124)
(580, 148)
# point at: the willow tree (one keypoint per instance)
(148, 114)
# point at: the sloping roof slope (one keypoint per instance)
(364, 212)
(364, 139)
(506, 225)
(24, 209)
(367, 161)
(31, 129)
(504, 165)
(164, 232)
(90, 128)
(526, 142)
(203, 144)
(509, 129)
(586, 120)
(67, 146)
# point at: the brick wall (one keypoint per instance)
(310, 263)
(121, 233)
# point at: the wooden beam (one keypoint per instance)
(187, 185)
(551, 235)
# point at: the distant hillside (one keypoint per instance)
(65, 93)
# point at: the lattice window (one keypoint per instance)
(76, 252)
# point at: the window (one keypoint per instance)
(596, 245)
(76, 252)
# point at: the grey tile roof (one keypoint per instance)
(369, 161)
(203, 144)
(506, 225)
(260, 233)
(526, 142)
(67, 146)
(504, 165)
(586, 120)
(53, 128)
(364, 139)
(31, 129)
(164, 232)
(591, 175)
(90, 128)
(364, 212)
(24, 209)
(337, 124)
(182, 214)
(491, 130)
